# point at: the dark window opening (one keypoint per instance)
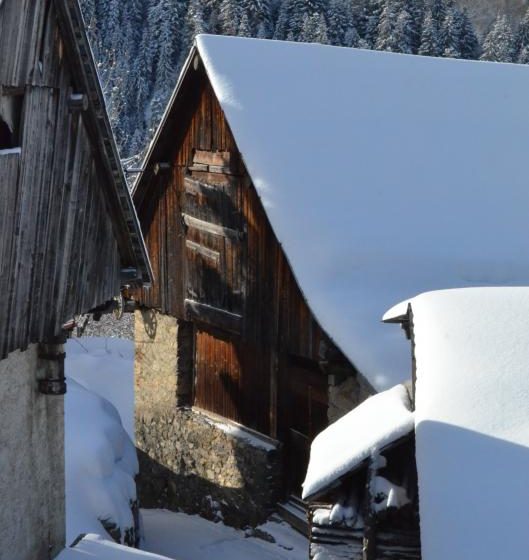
(6, 136)
(10, 120)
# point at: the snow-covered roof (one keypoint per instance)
(383, 175)
(472, 422)
(373, 425)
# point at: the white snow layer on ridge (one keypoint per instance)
(472, 422)
(383, 175)
(101, 463)
(98, 548)
(371, 426)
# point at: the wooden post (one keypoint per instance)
(369, 549)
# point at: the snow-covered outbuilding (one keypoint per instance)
(69, 241)
(471, 385)
(361, 483)
(294, 192)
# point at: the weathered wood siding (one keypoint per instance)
(218, 263)
(58, 247)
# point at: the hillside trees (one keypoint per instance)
(140, 45)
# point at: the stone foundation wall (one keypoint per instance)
(188, 460)
(32, 512)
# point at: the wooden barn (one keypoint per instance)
(225, 334)
(362, 491)
(69, 242)
(292, 193)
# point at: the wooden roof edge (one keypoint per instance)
(132, 245)
(138, 187)
(363, 464)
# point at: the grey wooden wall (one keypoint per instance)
(60, 236)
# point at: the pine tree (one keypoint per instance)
(523, 56)
(403, 35)
(229, 17)
(386, 27)
(314, 29)
(258, 12)
(338, 21)
(499, 43)
(244, 27)
(372, 14)
(416, 10)
(352, 39)
(453, 32)
(282, 27)
(429, 37)
(469, 47)
(522, 35)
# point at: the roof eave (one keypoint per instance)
(70, 16)
(147, 161)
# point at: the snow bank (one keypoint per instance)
(100, 465)
(472, 422)
(106, 367)
(383, 176)
(374, 424)
(98, 548)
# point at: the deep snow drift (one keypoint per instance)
(472, 422)
(99, 483)
(383, 176)
(100, 456)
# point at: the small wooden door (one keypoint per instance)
(304, 416)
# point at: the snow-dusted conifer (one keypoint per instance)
(386, 27)
(314, 29)
(470, 47)
(522, 35)
(429, 37)
(523, 56)
(244, 27)
(452, 32)
(499, 43)
(403, 35)
(352, 39)
(282, 27)
(229, 17)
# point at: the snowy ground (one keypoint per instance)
(186, 537)
(104, 366)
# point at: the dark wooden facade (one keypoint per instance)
(67, 224)
(260, 357)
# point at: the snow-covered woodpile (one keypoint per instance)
(67, 224)
(361, 484)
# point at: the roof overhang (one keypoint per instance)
(128, 232)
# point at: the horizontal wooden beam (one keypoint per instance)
(214, 229)
(204, 251)
(194, 186)
(219, 179)
(220, 159)
(214, 316)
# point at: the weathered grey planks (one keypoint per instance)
(65, 232)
